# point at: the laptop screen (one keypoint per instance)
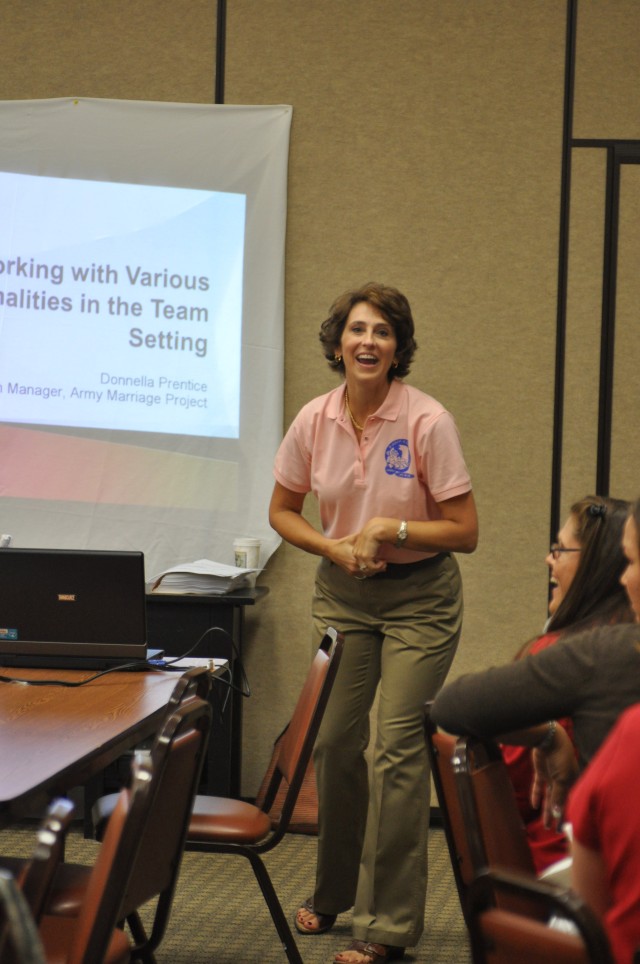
(72, 603)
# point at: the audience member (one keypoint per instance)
(590, 676)
(585, 566)
(602, 806)
(605, 820)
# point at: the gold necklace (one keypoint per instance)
(356, 425)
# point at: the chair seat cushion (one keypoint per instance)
(57, 934)
(224, 820)
(67, 889)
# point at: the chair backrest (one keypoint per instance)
(193, 682)
(495, 832)
(19, 938)
(502, 935)
(298, 740)
(144, 838)
(440, 748)
(36, 876)
(99, 911)
(176, 763)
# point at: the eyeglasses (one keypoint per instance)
(555, 549)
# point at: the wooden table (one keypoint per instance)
(53, 738)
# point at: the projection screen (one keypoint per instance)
(141, 324)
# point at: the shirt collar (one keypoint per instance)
(389, 410)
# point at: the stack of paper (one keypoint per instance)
(203, 577)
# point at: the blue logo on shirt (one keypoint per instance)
(398, 458)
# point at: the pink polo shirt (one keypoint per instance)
(408, 460)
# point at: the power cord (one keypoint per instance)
(244, 689)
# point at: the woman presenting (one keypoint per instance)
(385, 463)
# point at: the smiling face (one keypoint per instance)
(630, 578)
(564, 568)
(368, 346)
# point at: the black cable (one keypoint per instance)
(243, 690)
(73, 683)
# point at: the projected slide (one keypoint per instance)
(141, 324)
(120, 306)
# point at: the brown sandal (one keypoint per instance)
(325, 921)
(375, 953)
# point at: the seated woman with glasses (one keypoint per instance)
(602, 805)
(591, 676)
(585, 566)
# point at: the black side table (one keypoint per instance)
(175, 624)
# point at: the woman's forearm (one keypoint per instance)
(455, 531)
(295, 529)
(438, 535)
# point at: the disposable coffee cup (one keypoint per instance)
(247, 553)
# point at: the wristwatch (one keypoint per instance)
(401, 535)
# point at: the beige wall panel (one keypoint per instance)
(425, 152)
(625, 449)
(607, 44)
(125, 49)
(584, 318)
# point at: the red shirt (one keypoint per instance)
(604, 811)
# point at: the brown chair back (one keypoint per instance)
(298, 740)
(226, 826)
(176, 762)
(35, 876)
(440, 748)
(19, 938)
(496, 834)
(99, 911)
(174, 765)
(193, 682)
(500, 934)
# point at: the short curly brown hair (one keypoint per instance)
(394, 308)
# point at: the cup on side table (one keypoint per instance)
(247, 553)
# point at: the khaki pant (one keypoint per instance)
(372, 845)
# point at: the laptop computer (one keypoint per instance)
(72, 608)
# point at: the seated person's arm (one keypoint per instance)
(504, 702)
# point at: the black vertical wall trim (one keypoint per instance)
(221, 46)
(563, 257)
(607, 330)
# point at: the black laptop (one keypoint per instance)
(72, 608)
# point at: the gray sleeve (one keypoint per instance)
(544, 686)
